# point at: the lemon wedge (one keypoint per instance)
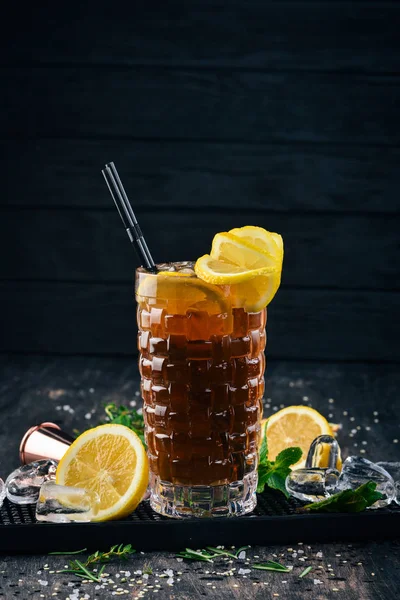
(111, 461)
(296, 426)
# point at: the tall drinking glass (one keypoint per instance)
(202, 381)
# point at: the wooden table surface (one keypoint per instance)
(72, 391)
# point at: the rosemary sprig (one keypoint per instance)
(81, 569)
(209, 553)
(305, 572)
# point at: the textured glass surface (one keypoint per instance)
(202, 384)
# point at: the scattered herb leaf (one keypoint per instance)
(271, 565)
(219, 552)
(147, 570)
(196, 555)
(305, 572)
(239, 550)
(69, 553)
(349, 501)
(273, 473)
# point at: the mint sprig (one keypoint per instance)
(273, 473)
(349, 501)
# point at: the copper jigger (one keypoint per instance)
(46, 440)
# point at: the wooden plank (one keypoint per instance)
(204, 105)
(352, 563)
(268, 35)
(33, 388)
(91, 245)
(100, 319)
(159, 174)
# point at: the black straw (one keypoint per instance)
(127, 215)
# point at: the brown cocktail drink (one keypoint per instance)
(202, 367)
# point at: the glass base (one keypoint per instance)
(180, 501)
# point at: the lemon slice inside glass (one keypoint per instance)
(180, 292)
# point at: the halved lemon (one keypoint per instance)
(111, 461)
(296, 426)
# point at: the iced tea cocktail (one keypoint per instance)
(202, 378)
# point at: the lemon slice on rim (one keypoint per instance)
(261, 238)
(251, 289)
(233, 249)
(296, 426)
(111, 461)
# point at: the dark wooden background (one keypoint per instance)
(217, 114)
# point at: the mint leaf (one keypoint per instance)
(264, 471)
(276, 480)
(264, 446)
(288, 457)
(273, 474)
(349, 501)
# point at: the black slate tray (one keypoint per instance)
(274, 521)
